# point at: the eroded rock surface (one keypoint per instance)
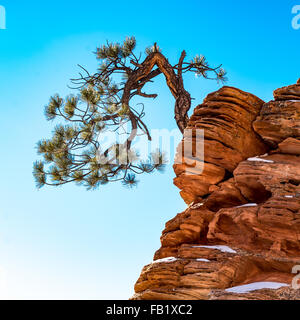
(226, 116)
(279, 119)
(240, 236)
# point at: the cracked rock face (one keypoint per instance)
(240, 236)
(226, 116)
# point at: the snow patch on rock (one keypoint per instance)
(247, 205)
(166, 260)
(220, 248)
(256, 286)
(257, 159)
(195, 205)
(202, 260)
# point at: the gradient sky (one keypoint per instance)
(68, 243)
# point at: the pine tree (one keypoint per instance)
(74, 154)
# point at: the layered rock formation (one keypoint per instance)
(240, 236)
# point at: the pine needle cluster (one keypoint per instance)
(102, 104)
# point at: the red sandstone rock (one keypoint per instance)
(271, 229)
(225, 195)
(197, 185)
(278, 121)
(243, 223)
(226, 117)
(288, 93)
(278, 174)
(290, 146)
(205, 273)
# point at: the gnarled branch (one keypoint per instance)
(102, 105)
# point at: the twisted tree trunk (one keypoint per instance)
(143, 74)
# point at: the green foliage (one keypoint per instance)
(51, 109)
(70, 106)
(130, 181)
(39, 174)
(200, 66)
(74, 153)
(152, 49)
(221, 75)
(114, 51)
(90, 95)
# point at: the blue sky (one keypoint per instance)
(68, 243)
